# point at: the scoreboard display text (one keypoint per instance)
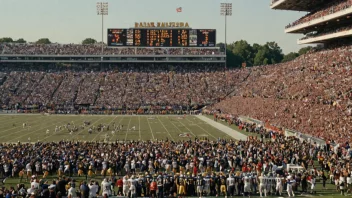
(162, 37)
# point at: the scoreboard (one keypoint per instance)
(162, 37)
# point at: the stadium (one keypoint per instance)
(163, 109)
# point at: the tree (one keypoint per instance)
(261, 58)
(290, 56)
(21, 40)
(304, 50)
(244, 50)
(233, 60)
(6, 40)
(275, 52)
(89, 41)
(256, 54)
(256, 47)
(230, 46)
(43, 41)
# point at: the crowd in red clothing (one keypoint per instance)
(311, 94)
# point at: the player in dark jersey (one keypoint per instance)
(190, 185)
(213, 185)
(200, 185)
(166, 185)
(223, 185)
(159, 182)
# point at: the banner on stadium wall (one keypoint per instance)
(273, 128)
(289, 133)
(160, 24)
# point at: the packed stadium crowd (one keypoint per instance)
(130, 85)
(330, 8)
(164, 168)
(311, 94)
(77, 49)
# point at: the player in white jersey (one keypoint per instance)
(247, 186)
(230, 182)
(279, 187)
(290, 183)
(133, 128)
(349, 183)
(342, 184)
(262, 185)
(67, 168)
(125, 187)
(132, 186)
(106, 187)
(312, 183)
(29, 170)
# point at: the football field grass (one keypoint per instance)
(135, 127)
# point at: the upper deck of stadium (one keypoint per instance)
(326, 21)
(297, 5)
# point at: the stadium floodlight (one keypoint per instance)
(102, 9)
(226, 10)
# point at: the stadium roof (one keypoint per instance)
(297, 5)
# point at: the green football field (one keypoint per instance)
(146, 128)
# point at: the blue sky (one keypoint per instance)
(70, 21)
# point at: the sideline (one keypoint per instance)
(233, 133)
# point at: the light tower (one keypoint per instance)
(102, 9)
(225, 10)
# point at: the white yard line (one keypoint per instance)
(232, 133)
(45, 127)
(24, 129)
(150, 129)
(128, 128)
(165, 128)
(199, 127)
(102, 130)
(119, 124)
(180, 129)
(8, 119)
(20, 125)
